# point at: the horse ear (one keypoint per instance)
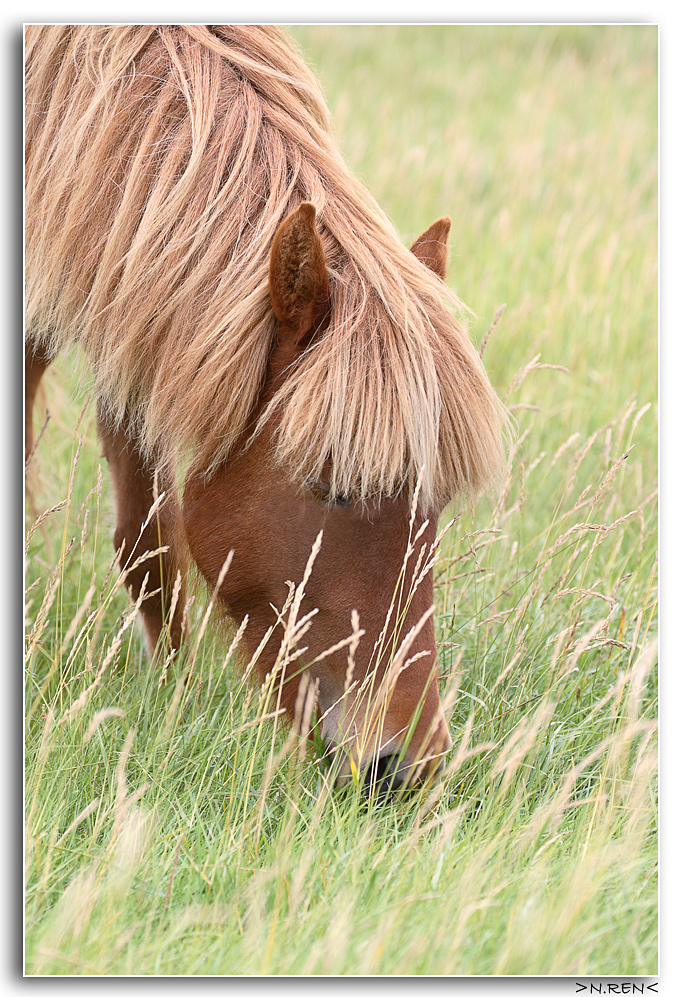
(431, 247)
(298, 279)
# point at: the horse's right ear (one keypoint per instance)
(298, 279)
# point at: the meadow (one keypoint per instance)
(172, 826)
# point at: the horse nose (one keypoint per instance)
(385, 776)
(390, 773)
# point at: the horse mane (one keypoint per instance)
(160, 162)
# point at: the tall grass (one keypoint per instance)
(172, 824)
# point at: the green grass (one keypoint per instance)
(169, 829)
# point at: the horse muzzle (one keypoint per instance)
(391, 773)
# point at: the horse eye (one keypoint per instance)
(321, 490)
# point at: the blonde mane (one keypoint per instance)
(160, 162)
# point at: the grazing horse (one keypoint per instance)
(245, 306)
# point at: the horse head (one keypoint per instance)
(377, 693)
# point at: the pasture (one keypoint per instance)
(172, 824)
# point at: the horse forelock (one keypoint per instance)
(160, 163)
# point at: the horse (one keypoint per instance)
(250, 313)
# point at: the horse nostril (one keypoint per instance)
(391, 773)
(385, 775)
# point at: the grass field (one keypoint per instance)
(169, 829)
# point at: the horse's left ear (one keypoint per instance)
(431, 248)
(298, 279)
